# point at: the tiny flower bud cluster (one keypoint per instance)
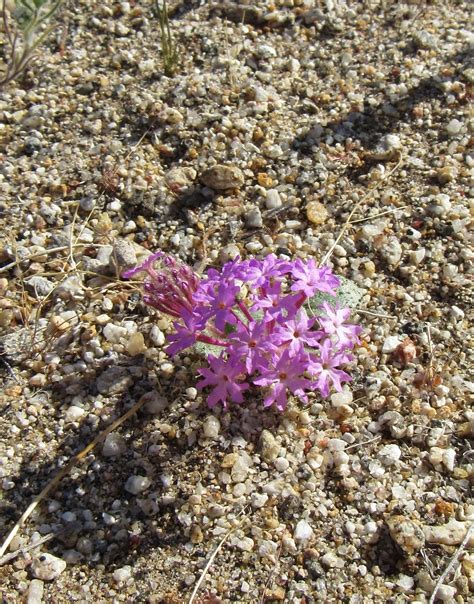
(254, 310)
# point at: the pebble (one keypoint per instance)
(123, 256)
(114, 445)
(446, 593)
(211, 427)
(391, 343)
(222, 177)
(47, 567)
(137, 484)
(241, 467)
(272, 199)
(253, 219)
(454, 127)
(392, 251)
(74, 413)
(406, 533)
(303, 532)
(114, 333)
(330, 560)
(35, 592)
(389, 454)
(40, 287)
(451, 533)
(341, 398)
(136, 344)
(269, 446)
(316, 212)
(121, 575)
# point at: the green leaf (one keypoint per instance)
(348, 294)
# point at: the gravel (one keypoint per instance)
(280, 118)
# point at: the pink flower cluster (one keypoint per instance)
(254, 310)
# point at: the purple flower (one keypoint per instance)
(169, 285)
(324, 368)
(263, 273)
(311, 279)
(223, 376)
(286, 372)
(263, 330)
(252, 343)
(333, 323)
(296, 333)
(186, 334)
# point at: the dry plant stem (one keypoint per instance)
(211, 559)
(356, 207)
(23, 550)
(70, 464)
(451, 564)
(374, 216)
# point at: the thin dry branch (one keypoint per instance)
(451, 564)
(71, 463)
(357, 206)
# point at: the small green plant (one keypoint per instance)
(23, 24)
(168, 47)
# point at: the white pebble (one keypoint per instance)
(341, 398)
(113, 333)
(330, 560)
(122, 574)
(336, 444)
(390, 344)
(74, 413)
(35, 592)
(454, 127)
(258, 500)
(303, 532)
(273, 200)
(137, 484)
(47, 567)
(281, 464)
(211, 427)
(389, 454)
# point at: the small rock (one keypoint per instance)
(425, 40)
(121, 575)
(137, 484)
(451, 533)
(405, 583)
(70, 289)
(454, 127)
(246, 544)
(40, 287)
(316, 212)
(341, 398)
(35, 592)
(406, 533)
(330, 560)
(123, 256)
(303, 532)
(113, 333)
(446, 593)
(392, 251)
(136, 344)
(241, 467)
(222, 177)
(254, 219)
(387, 147)
(269, 447)
(74, 413)
(114, 445)
(211, 427)
(47, 567)
(390, 344)
(273, 200)
(389, 454)
(181, 178)
(228, 252)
